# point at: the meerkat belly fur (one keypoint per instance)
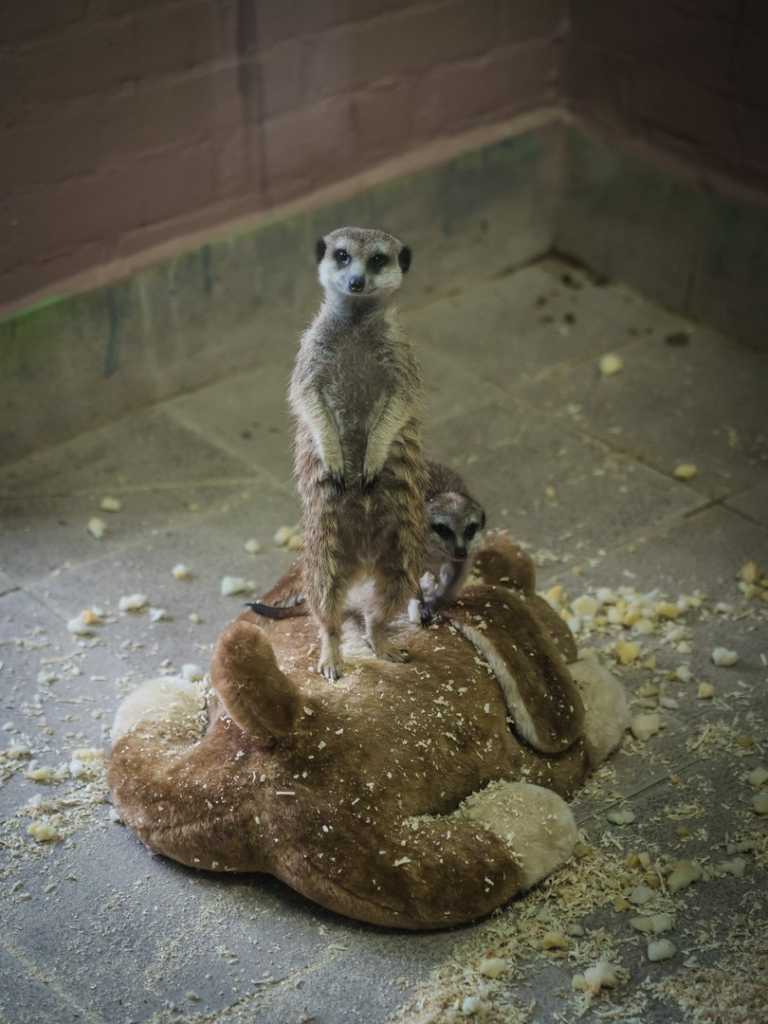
(455, 523)
(356, 393)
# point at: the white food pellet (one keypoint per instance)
(96, 527)
(252, 546)
(181, 572)
(44, 774)
(283, 535)
(610, 364)
(195, 617)
(295, 542)
(686, 872)
(662, 949)
(492, 967)
(159, 615)
(645, 726)
(80, 625)
(654, 924)
(723, 657)
(641, 894)
(685, 471)
(470, 1006)
(43, 832)
(622, 816)
(735, 867)
(109, 504)
(231, 585)
(706, 691)
(683, 673)
(757, 777)
(191, 672)
(585, 606)
(760, 802)
(601, 975)
(133, 603)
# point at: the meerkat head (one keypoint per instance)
(455, 525)
(357, 264)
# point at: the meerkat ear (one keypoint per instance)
(404, 259)
(320, 249)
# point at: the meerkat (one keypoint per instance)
(356, 394)
(455, 523)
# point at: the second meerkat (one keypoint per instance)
(357, 394)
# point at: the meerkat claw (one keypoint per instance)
(330, 670)
(427, 613)
(337, 482)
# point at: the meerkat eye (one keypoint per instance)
(443, 531)
(378, 261)
(342, 257)
(470, 531)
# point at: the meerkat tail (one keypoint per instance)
(272, 611)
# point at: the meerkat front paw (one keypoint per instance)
(336, 479)
(371, 474)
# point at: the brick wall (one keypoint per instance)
(124, 123)
(688, 76)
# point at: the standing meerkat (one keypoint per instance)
(356, 393)
(455, 523)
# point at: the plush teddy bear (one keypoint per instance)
(414, 795)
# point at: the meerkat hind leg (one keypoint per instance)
(390, 598)
(331, 664)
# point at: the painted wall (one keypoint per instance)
(687, 76)
(125, 123)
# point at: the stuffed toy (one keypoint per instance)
(414, 795)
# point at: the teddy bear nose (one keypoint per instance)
(356, 283)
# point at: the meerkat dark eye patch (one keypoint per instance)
(342, 257)
(378, 261)
(404, 259)
(320, 249)
(443, 531)
(470, 531)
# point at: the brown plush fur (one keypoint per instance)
(367, 795)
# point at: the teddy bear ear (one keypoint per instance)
(404, 258)
(320, 249)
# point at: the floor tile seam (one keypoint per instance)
(51, 983)
(743, 515)
(569, 365)
(647, 463)
(647, 534)
(265, 997)
(175, 417)
(405, 310)
(158, 486)
(127, 547)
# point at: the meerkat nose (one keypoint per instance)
(356, 283)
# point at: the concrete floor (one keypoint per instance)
(580, 468)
